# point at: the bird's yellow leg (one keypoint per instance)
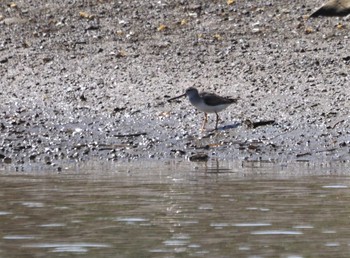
(204, 121)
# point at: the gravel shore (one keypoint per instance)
(82, 80)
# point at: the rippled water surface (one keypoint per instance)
(177, 210)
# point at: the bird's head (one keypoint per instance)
(191, 91)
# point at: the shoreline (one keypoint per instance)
(73, 84)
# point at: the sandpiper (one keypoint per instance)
(207, 103)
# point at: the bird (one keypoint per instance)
(207, 103)
(333, 8)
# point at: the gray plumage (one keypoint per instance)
(207, 103)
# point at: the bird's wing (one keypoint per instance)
(212, 99)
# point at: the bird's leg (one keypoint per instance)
(204, 121)
(217, 120)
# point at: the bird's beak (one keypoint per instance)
(183, 95)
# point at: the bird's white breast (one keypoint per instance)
(209, 109)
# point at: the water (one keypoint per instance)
(177, 210)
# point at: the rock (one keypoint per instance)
(199, 157)
(7, 160)
(333, 8)
(4, 60)
(13, 20)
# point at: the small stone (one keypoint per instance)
(199, 157)
(47, 160)
(13, 20)
(7, 160)
(4, 60)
